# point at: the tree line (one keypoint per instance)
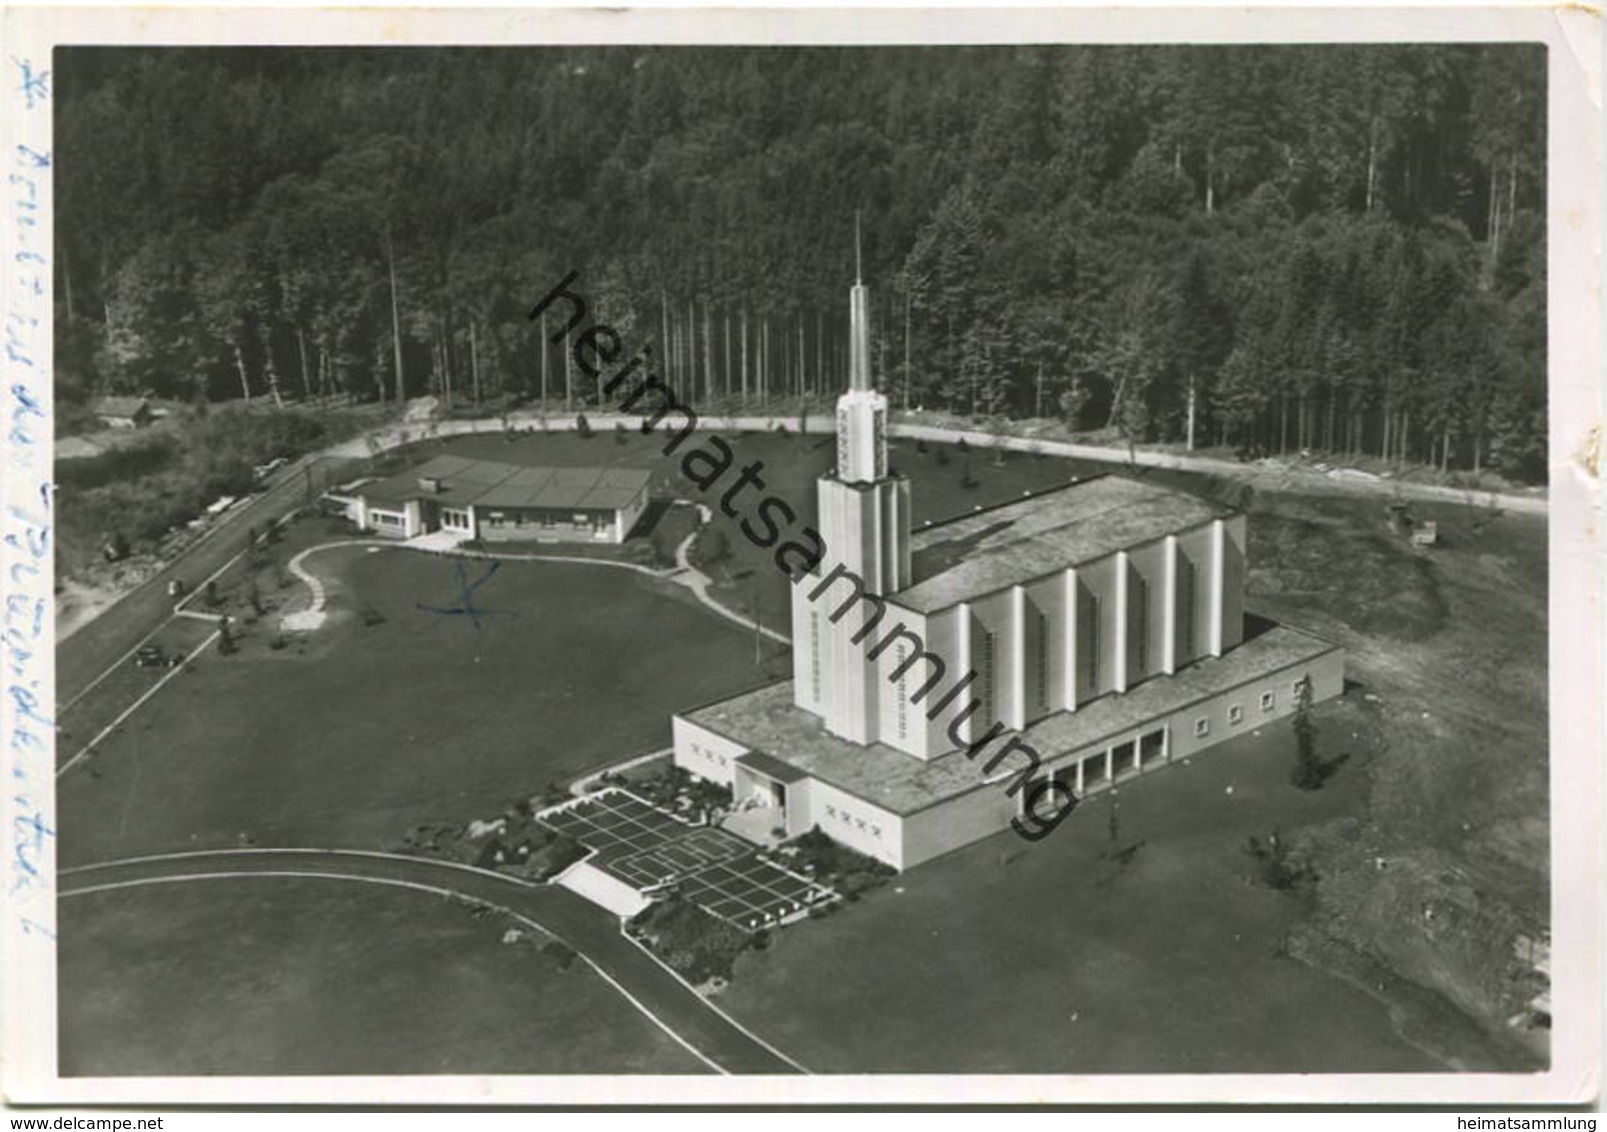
(1264, 247)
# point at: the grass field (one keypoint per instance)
(423, 716)
(749, 578)
(270, 976)
(1053, 958)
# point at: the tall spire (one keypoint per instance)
(859, 267)
(858, 323)
(861, 411)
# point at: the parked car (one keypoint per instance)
(175, 587)
(153, 656)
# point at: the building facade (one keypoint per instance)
(492, 501)
(1102, 624)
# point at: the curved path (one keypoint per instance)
(687, 1016)
(918, 427)
(699, 582)
(684, 573)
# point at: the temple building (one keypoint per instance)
(1089, 634)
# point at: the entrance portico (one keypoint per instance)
(1132, 754)
(760, 794)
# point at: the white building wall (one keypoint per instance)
(993, 654)
(1096, 629)
(862, 527)
(808, 645)
(1045, 653)
(1194, 603)
(800, 806)
(856, 823)
(955, 824)
(372, 516)
(1184, 738)
(1234, 564)
(1146, 612)
(705, 753)
(1169, 601)
(903, 724)
(969, 817)
(625, 518)
(928, 737)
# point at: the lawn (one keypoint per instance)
(271, 976)
(1053, 958)
(946, 482)
(423, 716)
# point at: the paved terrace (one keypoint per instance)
(990, 550)
(767, 720)
(645, 849)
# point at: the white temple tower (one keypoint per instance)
(864, 520)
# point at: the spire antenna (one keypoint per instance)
(859, 274)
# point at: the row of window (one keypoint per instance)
(712, 756)
(903, 697)
(547, 519)
(814, 653)
(1269, 701)
(850, 820)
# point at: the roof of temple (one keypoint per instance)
(770, 725)
(1019, 542)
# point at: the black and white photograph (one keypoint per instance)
(973, 545)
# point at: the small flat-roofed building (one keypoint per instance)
(124, 412)
(945, 682)
(490, 500)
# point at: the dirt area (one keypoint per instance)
(1446, 649)
(80, 600)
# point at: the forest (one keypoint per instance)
(1335, 248)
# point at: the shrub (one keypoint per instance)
(561, 852)
(711, 547)
(836, 862)
(1277, 867)
(696, 944)
(560, 953)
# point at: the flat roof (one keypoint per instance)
(1031, 538)
(492, 484)
(771, 767)
(766, 720)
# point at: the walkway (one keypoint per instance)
(698, 582)
(683, 574)
(670, 1003)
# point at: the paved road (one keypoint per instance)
(102, 642)
(1285, 475)
(583, 926)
